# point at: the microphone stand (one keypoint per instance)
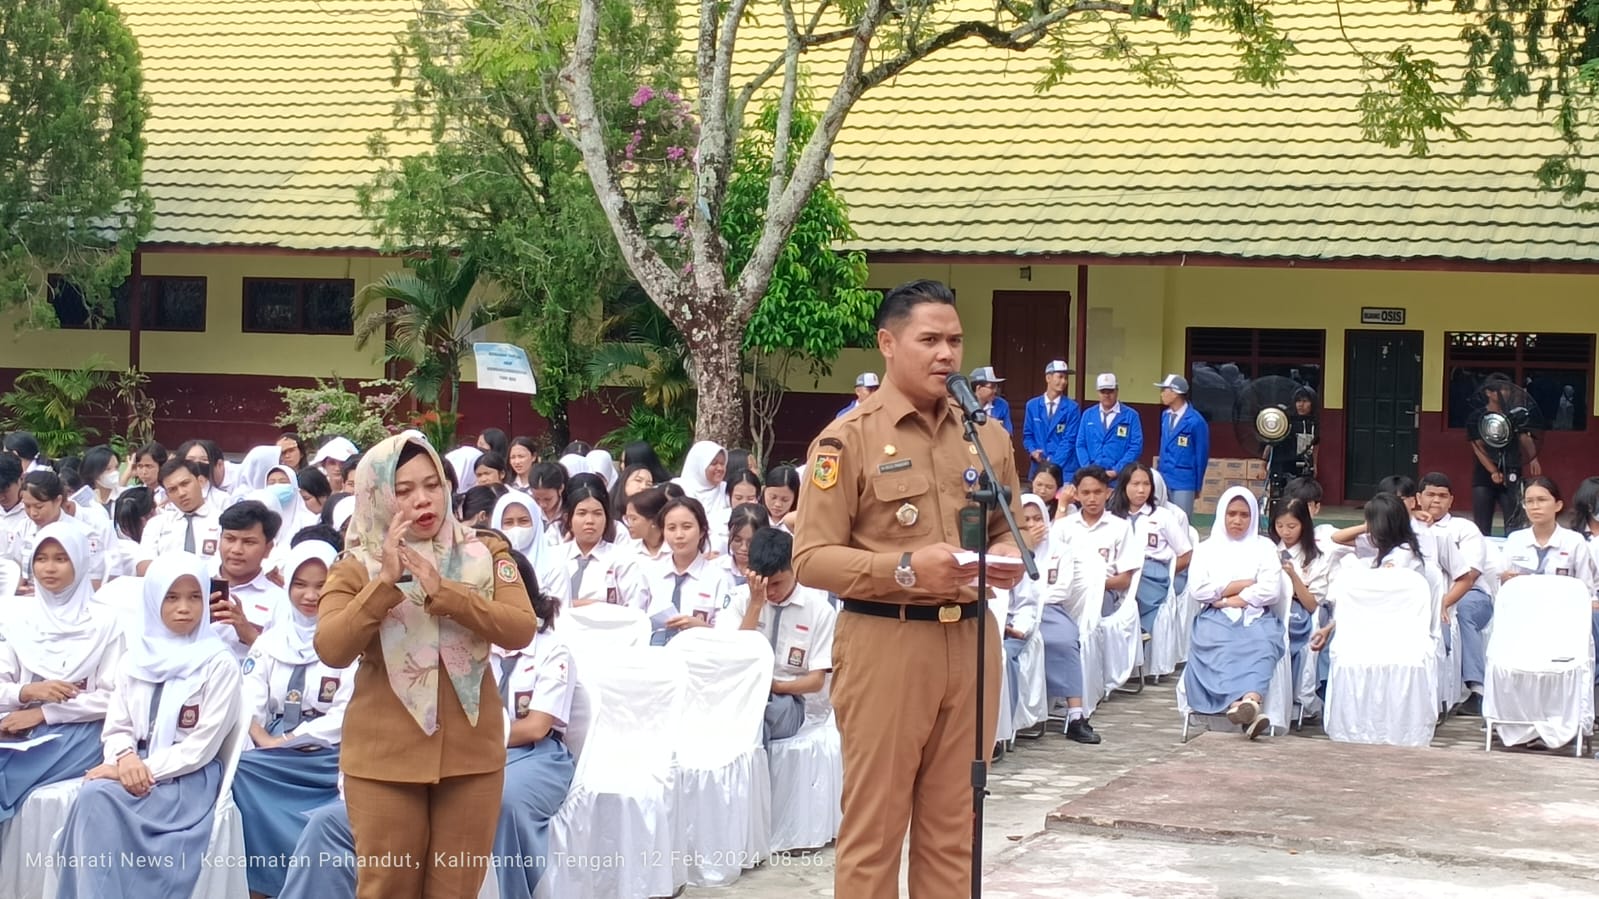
(987, 494)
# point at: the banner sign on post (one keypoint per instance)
(504, 366)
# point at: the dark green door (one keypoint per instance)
(1382, 405)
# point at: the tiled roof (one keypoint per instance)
(260, 114)
(262, 109)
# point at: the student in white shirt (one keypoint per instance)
(44, 503)
(251, 602)
(221, 478)
(293, 695)
(1470, 593)
(517, 518)
(641, 514)
(1309, 571)
(798, 623)
(13, 516)
(134, 509)
(1544, 547)
(100, 473)
(187, 523)
(178, 696)
(146, 469)
(1094, 527)
(57, 669)
(1024, 602)
(1160, 534)
(548, 482)
(596, 569)
(742, 523)
(686, 589)
(1064, 604)
(780, 496)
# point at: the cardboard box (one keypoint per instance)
(1223, 474)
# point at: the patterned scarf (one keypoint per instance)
(415, 641)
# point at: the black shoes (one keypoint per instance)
(1472, 707)
(1079, 730)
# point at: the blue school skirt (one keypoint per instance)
(66, 758)
(324, 865)
(1153, 585)
(274, 790)
(1227, 659)
(164, 835)
(1300, 624)
(1063, 654)
(537, 778)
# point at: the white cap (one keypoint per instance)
(339, 448)
(867, 379)
(1106, 381)
(985, 375)
(1057, 367)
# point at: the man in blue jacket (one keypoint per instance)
(1184, 444)
(866, 384)
(986, 385)
(1049, 423)
(1110, 434)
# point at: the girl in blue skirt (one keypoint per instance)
(1160, 533)
(297, 700)
(177, 699)
(57, 669)
(1238, 639)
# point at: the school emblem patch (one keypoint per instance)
(824, 472)
(188, 716)
(505, 570)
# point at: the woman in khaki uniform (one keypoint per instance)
(419, 598)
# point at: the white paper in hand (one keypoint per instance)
(967, 557)
(22, 745)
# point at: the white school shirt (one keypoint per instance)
(327, 694)
(611, 576)
(1023, 604)
(94, 534)
(1208, 577)
(706, 589)
(12, 523)
(802, 641)
(122, 559)
(1160, 535)
(1317, 575)
(165, 533)
(541, 680)
(89, 705)
(1569, 555)
(207, 716)
(1111, 537)
(259, 599)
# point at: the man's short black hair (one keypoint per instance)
(897, 303)
(1400, 485)
(22, 443)
(1436, 479)
(176, 464)
(1097, 472)
(10, 470)
(244, 515)
(1303, 489)
(771, 552)
(322, 532)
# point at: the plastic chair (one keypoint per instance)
(1087, 589)
(10, 578)
(807, 787)
(1278, 701)
(1539, 677)
(1383, 683)
(620, 810)
(724, 787)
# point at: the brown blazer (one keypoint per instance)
(381, 740)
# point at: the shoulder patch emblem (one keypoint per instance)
(505, 570)
(249, 664)
(824, 471)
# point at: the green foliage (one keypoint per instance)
(72, 112)
(138, 409)
(329, 409)
(647, 354)
(50, 402)
(429, 319)
(671, 434)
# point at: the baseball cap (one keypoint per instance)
(339, 448)
(985, 375)
(1057, 367)
(1106, 381)
(1175, 382)
(867, 379)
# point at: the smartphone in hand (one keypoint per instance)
(218, 585)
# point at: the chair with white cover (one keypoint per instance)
(724, 787)
(126, 596)
(1539, 677)
(1033, 696)
(577, 727)
(1279, 699)
(1122, 642)
(1168, 639)
(1005, 724)
(1383, 683)
(37, 828)
(807, 787)
(603, 626)
(10, 578)
(1188, 611)
(1088, 592)
(618, 818)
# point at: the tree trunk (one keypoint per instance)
(714, 342)
(560, 427)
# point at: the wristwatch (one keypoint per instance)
(904, 575)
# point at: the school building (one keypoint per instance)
(1219, 230)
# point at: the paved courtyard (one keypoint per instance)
(1041, 775)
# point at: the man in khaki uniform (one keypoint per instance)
(878, 525)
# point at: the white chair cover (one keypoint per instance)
(1189, 610)
(1168, 639)
(10, 577)
(1006, 727)
(620, 806)
(807, 787)
(1120, 643)
(1539, 678)
(724, 787)
(125, 595)
(1451, 679)
(603, 627)
(1034, 694)
(227, 881)
(1278, 702)
(1088, 591)
(1383, 684)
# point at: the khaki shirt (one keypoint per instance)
(882, 483)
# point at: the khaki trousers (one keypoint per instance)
(423, 841)
(905, 697)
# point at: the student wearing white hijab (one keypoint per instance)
(258, 462)
(600, 462)
(284, 485)
(517, 516)
(177, 699)
(703, 478)
(294, 696)
(1237, 639)
(464, 460)
(58, 665)
(574, 464)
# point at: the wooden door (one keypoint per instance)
(1031, 327)
(1382, 403)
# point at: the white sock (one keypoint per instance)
(1074, 713)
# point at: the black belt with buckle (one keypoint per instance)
(946, 614)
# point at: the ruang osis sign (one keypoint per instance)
(1382, 315)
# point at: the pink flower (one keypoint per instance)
(643, 95)
(675, 154)
(680, 223)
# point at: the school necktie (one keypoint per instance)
(677, 590)
(188, 532)
(293, 709)
(507, 665)
(1543, 557)
(1107, 417)
(1050, 405)
(577, 576)
(777, 624)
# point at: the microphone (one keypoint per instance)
(961, 390)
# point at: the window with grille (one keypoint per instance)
(1554, 370)
(1222, 362)
(299, 305)
(166, 304)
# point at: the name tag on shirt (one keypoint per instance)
(188, 716)
(1182, 441)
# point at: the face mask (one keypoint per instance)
(283, 493)
(107, 480)
(521, 538)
